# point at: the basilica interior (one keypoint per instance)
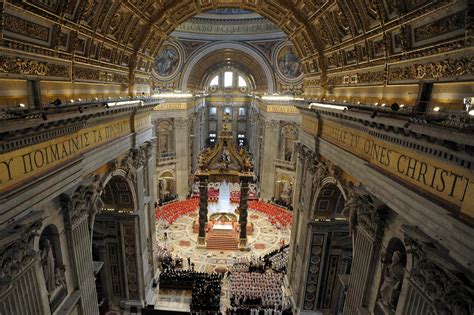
(236, 157)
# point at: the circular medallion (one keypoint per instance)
(314, 268)
(316, 250)
(315, 259)
(168, 61)
(309, 296)
(287, 63)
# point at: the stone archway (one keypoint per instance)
(114, 242)
(330, 247)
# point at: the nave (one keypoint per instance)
(267, 255)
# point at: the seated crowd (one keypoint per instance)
(246, 264)
(277, 259)
(256, 293)
(206, 288)
(254, 288)
(172, 211)
(276, 215)
(206, 296)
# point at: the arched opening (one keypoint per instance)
(114, 244)
(53, 266)
(330, 251)
(329, 203)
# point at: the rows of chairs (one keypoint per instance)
(275, 214)
(172, 211)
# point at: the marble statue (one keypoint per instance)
(47, 260)
(392, 282)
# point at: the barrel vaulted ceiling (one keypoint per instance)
(118, 40)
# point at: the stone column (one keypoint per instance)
(270, 151)
(367, 226)
(79, 239)
(202, 211)
(182, 156)
(244, 191)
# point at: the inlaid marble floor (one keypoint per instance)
(181, 241)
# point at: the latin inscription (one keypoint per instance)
(19, 165)
(447, 181)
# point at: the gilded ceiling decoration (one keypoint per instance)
(329, 36)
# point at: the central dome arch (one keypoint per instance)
(239, 53)
(292, 20)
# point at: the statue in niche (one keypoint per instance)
(286, 192)
(392, 282)
(47, 261)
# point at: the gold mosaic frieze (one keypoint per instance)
(442, 69)
(17, 65)
(442, 26)
(23, 27)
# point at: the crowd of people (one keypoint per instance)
(277, 259)
(261, 289)
(255, 284)
(206, 295)
(206, 288)
(248, 264)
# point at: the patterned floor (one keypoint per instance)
(182, 241)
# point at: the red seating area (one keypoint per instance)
(275, 214)
(213, 194)
(172, 211)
